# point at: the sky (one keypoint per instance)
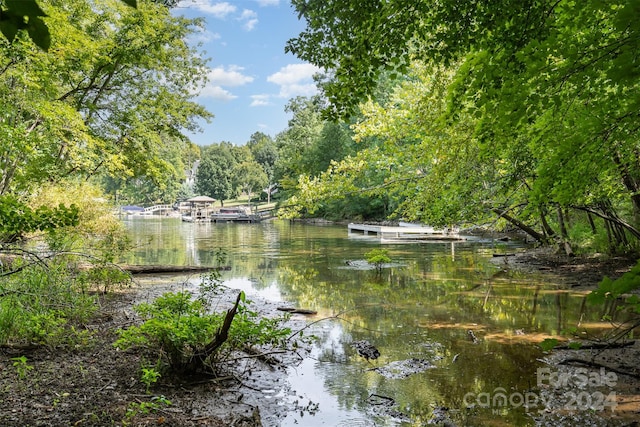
(251, 79)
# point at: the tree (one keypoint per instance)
(265, 153)
(356, 43)
(333, 144)
(554, 113)
(303, 130)
(213, 180)
(19, 15)
(249, 178)
(115, 83)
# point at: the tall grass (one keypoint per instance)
(45, 305)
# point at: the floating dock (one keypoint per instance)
(406, 232)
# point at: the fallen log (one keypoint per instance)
(159, 269)
(297, 310)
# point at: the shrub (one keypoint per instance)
(190, 338)
(43, 304)
(377, 258)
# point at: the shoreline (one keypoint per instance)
(97, 384)
(577, 272)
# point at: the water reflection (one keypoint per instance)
(422, 308)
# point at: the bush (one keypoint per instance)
(183, 332)
(377, 258)
(43, 305)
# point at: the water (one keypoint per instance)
(423, 306)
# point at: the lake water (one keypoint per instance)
(418, 312)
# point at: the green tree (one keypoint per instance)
(214, 176)
(249, 177)
(58, 109)
(213, 180)
(265, 152)
(20, 15)
(553, 111)
(333, 144)
(303, 129)
(159, 185)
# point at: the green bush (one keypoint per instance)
(43, 304)
(377, 258)
(184, 333)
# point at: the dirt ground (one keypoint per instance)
(97, 385)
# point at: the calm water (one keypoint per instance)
(423, 307)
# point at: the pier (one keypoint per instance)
(405, 232)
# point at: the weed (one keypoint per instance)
(189, 337)
(145, 408)
(149, 376)
(22, 367)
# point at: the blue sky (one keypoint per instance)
(251, 77)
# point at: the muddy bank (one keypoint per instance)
(96, 385)
(583, 272)
(93, 384)
(593, 387)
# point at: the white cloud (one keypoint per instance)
(203, 36)
(218, 9)
(216, 92)
(219, 78)
(223, 10)
(231, 76)
(249, 19)
(295, 80)
(260, 100)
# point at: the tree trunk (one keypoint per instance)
(594, 230)
(632, 184)
(610, 218)
(197, 361)
(548, 231)
(564, 236)
(522, 226)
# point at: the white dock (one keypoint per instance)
(410, 232)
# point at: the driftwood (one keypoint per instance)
(156, 269)
(7, 261)
(297, 310)
(197, 360)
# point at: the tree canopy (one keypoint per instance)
(114, 86)
(519, 108)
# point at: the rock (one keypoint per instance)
(366, 349)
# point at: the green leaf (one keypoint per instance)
(10, 25)
(575, 345)
(548, 344)
(25, 8)
(132, 3)
(39, 33)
